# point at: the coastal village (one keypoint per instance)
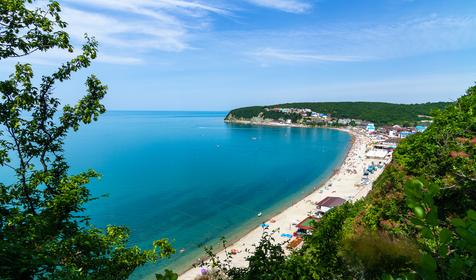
(372, 149)
(309, 117)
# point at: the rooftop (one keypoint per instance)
(331, 201)
(306, 224)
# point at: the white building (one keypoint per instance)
(371, 128)
(377, 154)
(344, 121)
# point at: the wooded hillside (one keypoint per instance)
(377, 112)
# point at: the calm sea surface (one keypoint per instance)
(190, 177)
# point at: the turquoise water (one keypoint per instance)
(190, 177)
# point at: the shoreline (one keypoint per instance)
(300, 209)
(278, 124)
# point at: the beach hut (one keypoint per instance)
(330, 202)
(377, 154)
(370, 128)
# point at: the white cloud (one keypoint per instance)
(358, 42)
(299, 56)
(290, 6)
(137, 26)
(413, 37)
(162, 10)
(56, 57)
(120, 60)
(133, 34)
(160, 24)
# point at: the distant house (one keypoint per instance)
(386, 145)
(289, 121)
(371, 128)
(330, 202)
(344, 121)
(377, 153)
(397, 128)
(314, 115)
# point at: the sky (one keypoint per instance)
(223, 54)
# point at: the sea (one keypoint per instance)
(192, 178)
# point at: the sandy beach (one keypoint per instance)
(345, 183)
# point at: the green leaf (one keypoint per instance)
(419, 212)
(472, 214)
(455, 267)
(457, 222)
(428, 266)
(445, 235)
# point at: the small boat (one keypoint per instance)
(259, 214)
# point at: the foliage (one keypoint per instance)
(249, 113)
(43, 231)
(25, 30)
(168, 275)
(265, 263)
(449, 252)
(277, 115)
(443, 160)
(373, 254)
(377, 112)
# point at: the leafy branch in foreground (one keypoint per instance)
(25, 30)
(448, 252)
(44, 233)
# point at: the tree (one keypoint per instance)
(24, 30)
(43, 231)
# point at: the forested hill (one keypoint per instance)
(377, 112)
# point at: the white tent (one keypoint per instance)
(380, 154)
